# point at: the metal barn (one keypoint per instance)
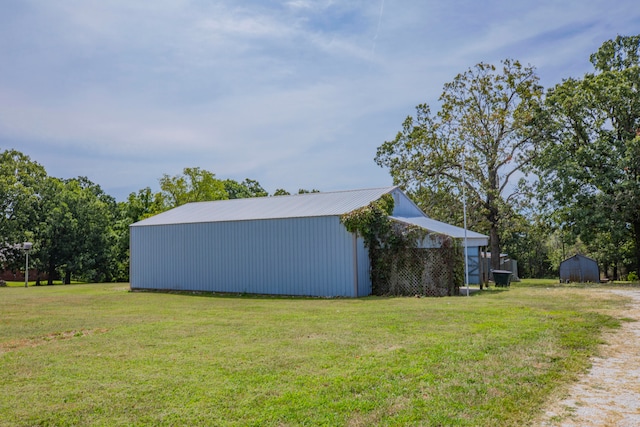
(283, 245)
(579, 268)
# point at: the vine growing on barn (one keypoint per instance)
(388, 241)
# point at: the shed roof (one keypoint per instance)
(474, 239)
(578, 257)
(293, 206)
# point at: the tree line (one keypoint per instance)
(544, 174)
(77, 230)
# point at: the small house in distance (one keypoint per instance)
(580, 269)
(281, 245)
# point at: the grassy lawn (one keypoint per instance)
(101, 355)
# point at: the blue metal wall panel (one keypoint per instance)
(296, 256)
(364, 270)
(473, 262)
(403, 206)
(579, 268)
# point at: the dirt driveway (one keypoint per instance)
(609, 394)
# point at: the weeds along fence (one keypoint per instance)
(433, 272)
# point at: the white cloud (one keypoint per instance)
(290, 94)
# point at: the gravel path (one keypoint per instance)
(609, 395)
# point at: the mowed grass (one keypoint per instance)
(101, 355)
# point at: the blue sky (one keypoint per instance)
(294, 94)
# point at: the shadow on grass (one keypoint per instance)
(474, 291)
(554, 283)
(14, 284)
(233, 295)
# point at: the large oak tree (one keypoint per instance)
(75, 235)
(488, 122)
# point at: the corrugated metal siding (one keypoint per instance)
(301, 256)
(364, 277)
(403, 205)
(473, 262)
(579, 268)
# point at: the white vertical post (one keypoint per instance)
(27, 247)
(26, 272)
(355, 264)
(464, 215)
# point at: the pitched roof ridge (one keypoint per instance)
(292, 206)
(316, 193)
(353, 190)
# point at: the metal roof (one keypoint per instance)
(474, 239)
(274, 207)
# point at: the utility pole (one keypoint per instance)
(27, 247)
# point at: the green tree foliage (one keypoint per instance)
(490, 122)
(243, 190)
(372, 223)
(590, 171)
(21, 180)
(193, 185)
(143, 204)
(281, 192)
(75, 233)
(526, 239)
